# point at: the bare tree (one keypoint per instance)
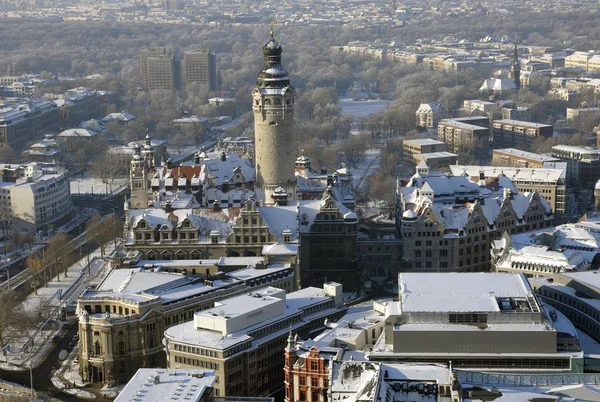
(14, 320)
(36, 266)
(56, 250)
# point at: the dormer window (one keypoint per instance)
(187, 224)
(143, 225)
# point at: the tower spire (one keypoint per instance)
(272, 31)
(515, 67)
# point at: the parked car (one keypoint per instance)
(66, 325)
(55, 338)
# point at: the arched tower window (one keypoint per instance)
(97, 348)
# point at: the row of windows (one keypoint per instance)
(196, 363)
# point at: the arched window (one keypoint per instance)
(97, 348)
(121, 348)
(267, 102)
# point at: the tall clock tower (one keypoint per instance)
(273, 101)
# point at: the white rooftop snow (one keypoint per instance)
(165, 384)
(458, 292)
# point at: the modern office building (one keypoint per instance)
(519, 134)
(243, 338)
(574, 294)
(497, 323)
(37, 195)
(583, 164)
(156, 384)
(200, 66)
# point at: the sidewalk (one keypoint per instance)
(48, 300)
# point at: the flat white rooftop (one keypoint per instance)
(423, 141)
(525, 154)
(167, 385)
(521, 123)
(459, 292)
(541, 175)
(434, 155)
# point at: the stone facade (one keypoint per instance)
(273, 102)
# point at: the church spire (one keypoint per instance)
(515, 67)
(291, 344)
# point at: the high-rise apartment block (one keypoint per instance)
(519, 134)
(162, 72)
(463, 137)
(200, 66)
(160, 69)
(146, 54)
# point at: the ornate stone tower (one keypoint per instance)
(139, 180)
(273, 104)
(515, 68)
(290, 357)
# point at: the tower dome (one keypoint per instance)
(273, 74)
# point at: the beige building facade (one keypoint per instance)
(243, 338)
(411, 148)
(511, 157)
(121, 323)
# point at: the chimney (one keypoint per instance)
(481, 175)
(169, 163)
(168, 207)
(329, 180)
(197, 158)
(216, 206)
(223, 156)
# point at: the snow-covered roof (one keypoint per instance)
(498, 84)
(207, 329)
(526, 154)
(459, 292)
(122, 117)
(166, 384)
(540, 175)
(77, 132)
(280, 249)
(138, 280)
(204, 220)
(281, 217)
